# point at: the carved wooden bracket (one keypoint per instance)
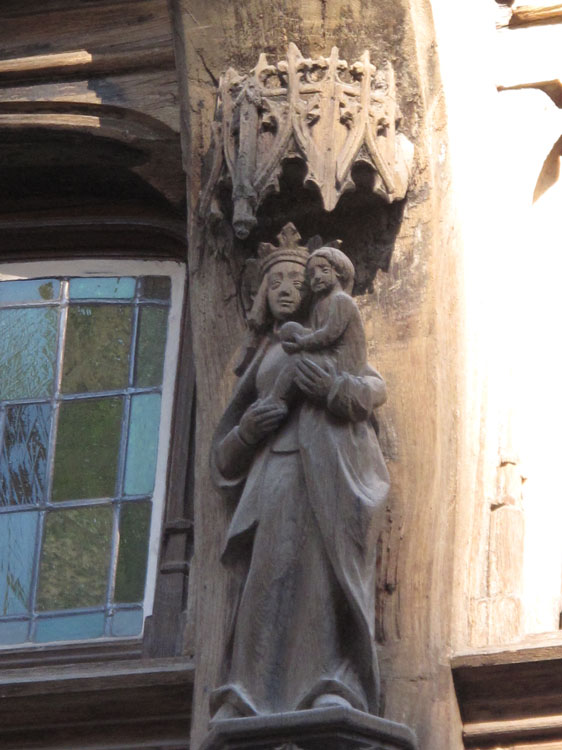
(327, 113)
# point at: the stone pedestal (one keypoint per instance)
(334, 728)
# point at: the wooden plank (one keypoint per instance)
(513, 686)
(105, 676)
(525, 14)
(152, 93)
(548, 647)
(500, 732)
(143, 734)
(111, 28)
(66, 64)
(121, 705)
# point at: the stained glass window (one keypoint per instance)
(84, 401)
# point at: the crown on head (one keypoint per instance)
(288, 249)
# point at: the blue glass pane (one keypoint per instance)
(142, 445)
(27, 352)
(23, 454)
(70, 627)
(17, 547)
(102, 288)
(33, 290)
(127, 622)
(13, 631)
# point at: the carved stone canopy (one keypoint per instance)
(327, 113)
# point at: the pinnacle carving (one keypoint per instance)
(322, 110)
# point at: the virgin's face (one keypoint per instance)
(286, 289)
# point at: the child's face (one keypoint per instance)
(321, 275)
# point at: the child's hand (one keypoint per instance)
(294, 345)
(291, 331)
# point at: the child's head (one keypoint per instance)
(343, 267)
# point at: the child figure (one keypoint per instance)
(337, 330)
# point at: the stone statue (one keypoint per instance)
(309, 482)
(337, 334)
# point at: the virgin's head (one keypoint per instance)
(283, 294)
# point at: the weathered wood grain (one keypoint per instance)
(38, 29)
(409, 316)
(70, 64)
(524, 14)
(88, 96)
(116, 704)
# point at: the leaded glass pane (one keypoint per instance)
(87, 448)
(151, 346)
(70, 627)
(134, 530)
(23, 453)
(29, 290)
(28, 352)
(102, 288)
(155, 287)
(127, 622)
(75, 558)
(96, 353)
(13, 632)
(142, 445)
(18, 533)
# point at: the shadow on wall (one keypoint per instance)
(366, 224)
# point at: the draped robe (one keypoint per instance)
(303, 539)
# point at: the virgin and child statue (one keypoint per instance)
(297, 453)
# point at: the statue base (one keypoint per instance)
(330, 728)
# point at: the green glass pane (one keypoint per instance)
(155, 287)
(151, 346)
(102, 288)
(17, 547)
(142, 444)
(75, 558)
(127, 622)
(87, 448)
(96, 353)
(70, 627)
(27, 352)
(134, 531)
(29, 290)
(23, 453)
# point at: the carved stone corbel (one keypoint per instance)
(323, 111)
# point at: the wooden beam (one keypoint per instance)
(85, 63)
(496, 733)
(511, 695)
(108, 705)
(526, 14)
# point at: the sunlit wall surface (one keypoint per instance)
(84, 429)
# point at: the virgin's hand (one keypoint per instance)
(313, 380)
(260, 419)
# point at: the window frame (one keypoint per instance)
(171, 532)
